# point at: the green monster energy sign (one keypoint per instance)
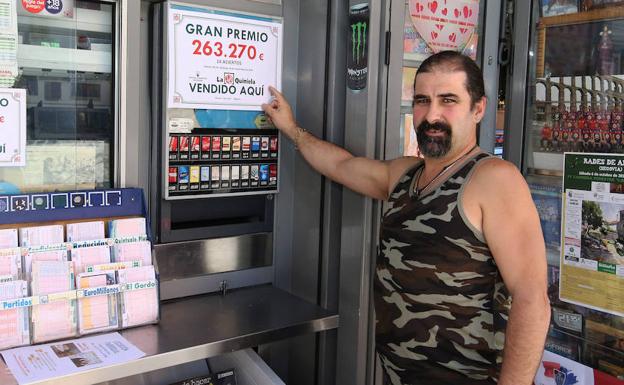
(358, 41)
(357, 61)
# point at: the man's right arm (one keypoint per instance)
(369, 177)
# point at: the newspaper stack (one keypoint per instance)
(14, 322)
(56, 319)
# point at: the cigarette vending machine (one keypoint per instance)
(217, 154)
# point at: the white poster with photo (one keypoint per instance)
(221, 59)
(37, 363)
(12, 127)
(592, 242)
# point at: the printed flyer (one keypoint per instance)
(12, 127)
(221, 59)
(592, 249)
(36, 363)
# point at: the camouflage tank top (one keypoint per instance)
(440, 302)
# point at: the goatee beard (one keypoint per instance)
(434, 146)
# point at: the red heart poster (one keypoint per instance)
(445, 24)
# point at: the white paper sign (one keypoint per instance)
(12, 127)
(221, 60)
(40, 362)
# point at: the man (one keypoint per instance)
(460, 241)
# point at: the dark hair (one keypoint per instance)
(455, 61)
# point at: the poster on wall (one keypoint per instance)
(447, 25)
(357, 46)
(221, 59)
(12, 127)
(50, 8)
(592, 241)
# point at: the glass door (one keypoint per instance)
(419, 29)
(65, 60)
(575, 97)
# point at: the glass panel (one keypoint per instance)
(66, 63)
(431, 27)
(575, 96)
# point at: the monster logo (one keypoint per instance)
(358, 40)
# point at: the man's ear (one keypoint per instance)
(478, 109)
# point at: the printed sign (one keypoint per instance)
(222, 60)
(54, 8)
(12, 127)
(592, 239)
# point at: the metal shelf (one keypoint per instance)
(204, 326)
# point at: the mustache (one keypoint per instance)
(425, 125)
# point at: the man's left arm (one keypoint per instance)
(512, 230)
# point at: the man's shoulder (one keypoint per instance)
(494, 166)
(496, 175)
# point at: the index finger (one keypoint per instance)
(276, 94)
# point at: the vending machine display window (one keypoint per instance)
(217, 141)
(65, 60)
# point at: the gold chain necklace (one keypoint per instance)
(419, 191)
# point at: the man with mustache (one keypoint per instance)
(460, 286)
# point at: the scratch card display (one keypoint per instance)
(97, 308)
(14, 321)
(127, 227)
(41, 235)
(138, 307)
(84, 257)
(57, 318)
(85, 231)
(8, 238)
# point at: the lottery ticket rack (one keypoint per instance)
(182, 330)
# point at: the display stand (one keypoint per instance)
(113, 276)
